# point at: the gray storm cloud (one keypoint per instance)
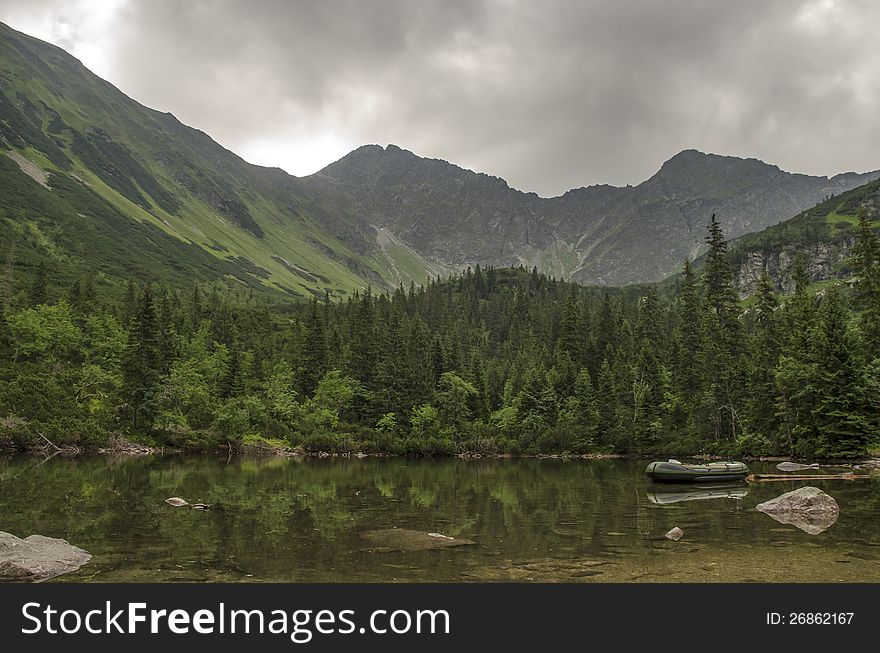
(549, 95)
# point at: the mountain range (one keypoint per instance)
(91, 180)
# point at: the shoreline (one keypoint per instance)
(126, 448)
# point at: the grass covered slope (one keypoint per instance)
(129, 191)
(133, 192)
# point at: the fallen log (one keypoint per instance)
(846, 476)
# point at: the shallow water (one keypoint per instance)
(531, 520)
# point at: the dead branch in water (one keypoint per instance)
(67, 448)
(49, 442)
(846, 476)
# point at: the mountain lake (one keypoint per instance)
(352, 520)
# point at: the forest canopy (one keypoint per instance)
(487, 361)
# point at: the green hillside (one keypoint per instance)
(95, 183)
(96, 180)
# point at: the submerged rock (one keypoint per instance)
(38, 557)
(807, 508)
(403, 539)
(177, 502)
(675, 534)
(795, 467)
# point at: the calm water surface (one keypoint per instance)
(531, 520)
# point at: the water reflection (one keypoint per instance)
(666, 494)
(531, 520)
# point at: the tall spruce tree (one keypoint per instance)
(570, 341)
(721, 359)
(763, 361)
(689, 336)
(140, 365)
(232, 382)
(866, 258)
(844, 423)
(314, 350)
(797, 391)
(607, 403)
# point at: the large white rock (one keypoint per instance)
(38, 557)
(675, 534)
(808, 508)
(795, 467)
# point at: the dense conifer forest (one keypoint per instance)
(488, 361)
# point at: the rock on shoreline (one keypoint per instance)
(37, 557)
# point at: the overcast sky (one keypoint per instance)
(549, 95)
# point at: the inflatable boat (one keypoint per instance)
(673, 471)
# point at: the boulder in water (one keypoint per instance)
(807, 508)
(38, 557)
(795, 467)
(403, 539)
(675, 534)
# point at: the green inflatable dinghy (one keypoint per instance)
(673, 471)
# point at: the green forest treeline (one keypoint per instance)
(489, 361)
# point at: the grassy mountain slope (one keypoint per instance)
(99, 154)
(91, 180)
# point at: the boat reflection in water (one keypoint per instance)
(665, 494)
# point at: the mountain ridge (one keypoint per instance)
(378, 216)
(574, 234)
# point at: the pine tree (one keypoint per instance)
(800, 311)
(844, 424)
(721, 297)
(721, 359)
(196, 311)
(586, 412)
(647, 398)
(764, 358)
(651, 325)
(130, 305)
(314, 353)
(38, 291)
(689, 338)
(571, 333)
(418, 372)
(607, 403)
(866, 259)
(796, 389)
(363, 341)
(536, 405)
(438, 359)
(231, 383)
(606, 335)
(140, 366)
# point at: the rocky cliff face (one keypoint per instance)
(822, 261)
(596, 235)
(822, 237)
